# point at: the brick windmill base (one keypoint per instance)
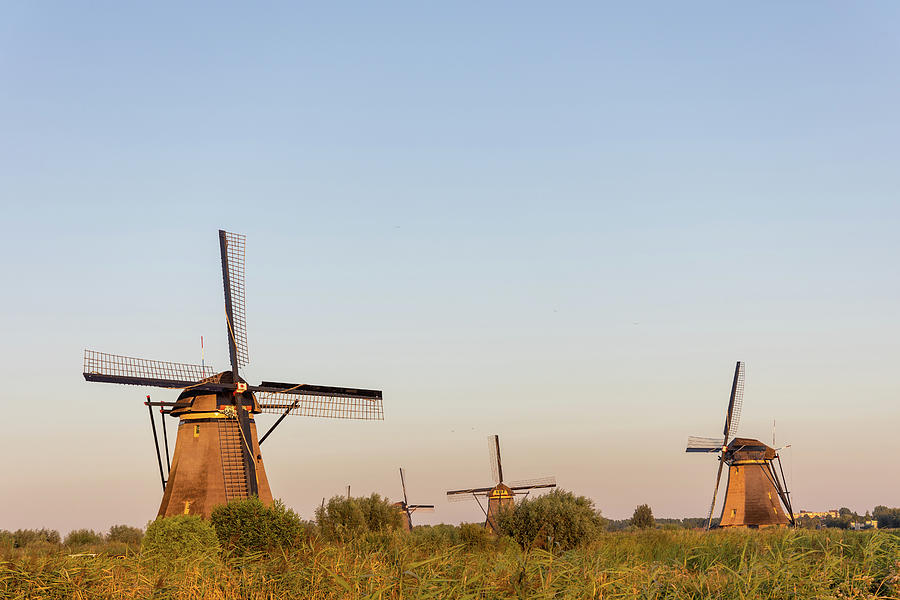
(751, 498)
(208, 467)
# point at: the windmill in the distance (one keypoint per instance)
(500, 495)
(406, 508)
(217, 456)
(755, 495)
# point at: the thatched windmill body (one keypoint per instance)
(406, 508)
(756, 494)
(217, 454)
(499, 496)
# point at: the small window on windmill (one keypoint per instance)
(733, 512)
(196, 431)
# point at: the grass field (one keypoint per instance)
(651, 564)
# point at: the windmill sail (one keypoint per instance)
(732, 418)
(403, 485)
(306, 389)
(494, 458)
(232, 247)
(128, 370)
(321, 405)
(467, 493)
(532, 484)
(735, 402)
(712, 505)
(704, 444)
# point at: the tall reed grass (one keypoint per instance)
(652, 564)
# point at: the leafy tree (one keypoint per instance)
(83, 537)
(805, 522)
(887, 517)
(841, 522)
(248, 525)
(125, 534)
(345, 518)
(643, 517)
(27, 537)
(558, 519)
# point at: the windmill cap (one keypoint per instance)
(203, 400)
(750, 446)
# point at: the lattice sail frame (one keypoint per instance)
(235, 249)
(462, 497)
(738, 401)
(704, 444)
(537, 482)
(143, 370)
(325, 406)
(494, 458)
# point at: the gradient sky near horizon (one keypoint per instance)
(558, 223)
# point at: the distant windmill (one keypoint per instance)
(755, 492)
(406, 508)
(500, 495)
(217, 456)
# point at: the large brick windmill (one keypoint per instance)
(756, 495)
(500, 495)
(217, 454)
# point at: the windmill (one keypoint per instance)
(755, 495)
(500, 495)
(406, 508)
(217, 455)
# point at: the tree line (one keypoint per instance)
(559, 519)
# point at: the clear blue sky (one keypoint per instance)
(562, 224)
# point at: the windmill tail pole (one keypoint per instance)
(162, 477)
(278, 422)
(162, 425)
(787, 493)
(712, 504)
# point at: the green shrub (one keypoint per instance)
(125, 534)
(7, 540)
(474, 535)
(559, 520)
(83, 537)
(643, 517)
(31, 537)
(248, 525)
(436, 536)
(181, 536)
(345, 518)
(386, 542)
